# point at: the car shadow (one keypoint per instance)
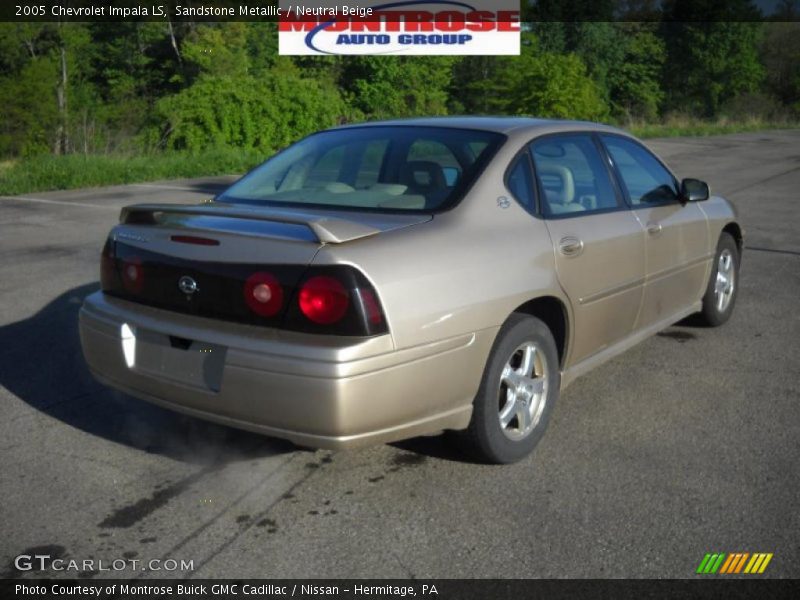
(442, 447)
(694, 321)
(42, 364)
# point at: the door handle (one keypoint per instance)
(570, 246)
(654, 228)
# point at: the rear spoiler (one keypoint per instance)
(328, 230)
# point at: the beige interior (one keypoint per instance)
(563, 200)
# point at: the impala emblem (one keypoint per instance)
(187, 285)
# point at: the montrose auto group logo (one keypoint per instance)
(402, 27)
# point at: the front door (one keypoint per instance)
(677, 237)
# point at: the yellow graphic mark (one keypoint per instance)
(761, 563)
(758, 563)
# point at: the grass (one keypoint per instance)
(80, 171)
(685, 126)
(42, 173)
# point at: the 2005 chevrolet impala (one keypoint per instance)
(381, 281)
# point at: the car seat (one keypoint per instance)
(423, 177)
(560, 198)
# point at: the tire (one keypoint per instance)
(723, 284)
(507, 422)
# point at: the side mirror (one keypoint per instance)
(694, 190)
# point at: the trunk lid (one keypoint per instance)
(198, 259)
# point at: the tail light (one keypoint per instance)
(133, 275)
(335, 300)
(323, 300)
(263, 293)
(121, 270)
(372, 309)
(327, 300)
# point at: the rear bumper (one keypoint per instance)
(328, 393)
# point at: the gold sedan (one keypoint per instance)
(381, 281)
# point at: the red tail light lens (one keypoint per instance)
(263, 293)
(371, 307)
(324, 300)
(133, 275)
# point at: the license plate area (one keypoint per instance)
(189, 362)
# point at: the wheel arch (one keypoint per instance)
(552, 311)
(735, 231)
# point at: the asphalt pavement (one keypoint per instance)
(687, 444)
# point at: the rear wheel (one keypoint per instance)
(723, 285)
(519, 388)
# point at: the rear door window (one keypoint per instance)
(572, 176)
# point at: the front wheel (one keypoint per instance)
(723, 285)
(519, 388)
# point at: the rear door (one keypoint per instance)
(677, 238)
(598, 242)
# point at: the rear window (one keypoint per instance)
(403, 168)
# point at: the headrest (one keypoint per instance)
(423, 175)
(567, 192)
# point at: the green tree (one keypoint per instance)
(218, 49)
(634, 83)
(30, 114)
(398, 86)
(265, 113)
(538, 83)
(46, 83)
(625, 60)
(75, 93)
(713, 53)
(18, 44)
(602, 47)
(781, 57)
(473, 85)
